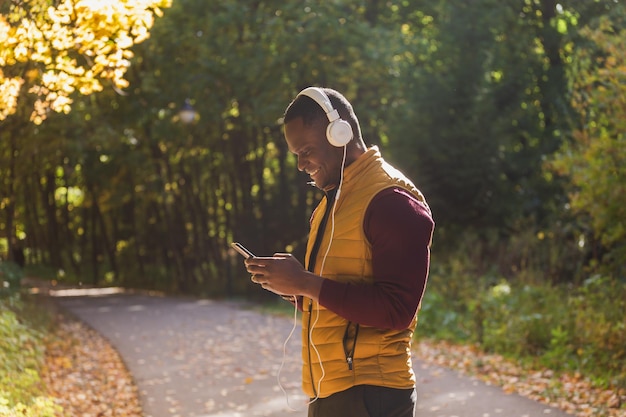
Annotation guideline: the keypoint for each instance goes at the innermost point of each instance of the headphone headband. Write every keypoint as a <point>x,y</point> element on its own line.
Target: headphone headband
<point>320,97</point>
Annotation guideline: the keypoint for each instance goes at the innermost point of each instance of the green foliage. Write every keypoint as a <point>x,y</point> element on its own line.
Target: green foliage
<point>22,392</point>
<point>598,332</point>
<point>518,320</point>
<point>483,110</point>
<point>595,159</point>
<point>437,319</point>
<point>40,407</point>
<point>10,278</point>
<point>564,327</point>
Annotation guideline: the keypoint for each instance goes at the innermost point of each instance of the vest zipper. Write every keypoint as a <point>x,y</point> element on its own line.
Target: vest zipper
<point>349,344</point>
<point>308,337</point>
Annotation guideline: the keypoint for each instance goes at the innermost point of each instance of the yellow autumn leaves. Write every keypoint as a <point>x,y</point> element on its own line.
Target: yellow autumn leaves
<point>50,52</point>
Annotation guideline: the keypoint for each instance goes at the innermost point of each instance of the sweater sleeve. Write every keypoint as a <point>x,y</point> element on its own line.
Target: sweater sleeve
<point>399,228</point>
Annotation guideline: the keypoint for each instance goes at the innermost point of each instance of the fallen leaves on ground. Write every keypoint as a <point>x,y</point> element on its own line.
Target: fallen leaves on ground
<point>86,375</point>
<point>572,393</point>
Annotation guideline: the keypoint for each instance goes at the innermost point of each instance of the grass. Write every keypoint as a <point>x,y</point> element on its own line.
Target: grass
<point>24,325</point>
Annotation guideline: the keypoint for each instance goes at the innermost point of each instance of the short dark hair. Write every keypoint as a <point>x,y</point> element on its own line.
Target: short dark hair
<point>311,112</point>
<point>306,108</point>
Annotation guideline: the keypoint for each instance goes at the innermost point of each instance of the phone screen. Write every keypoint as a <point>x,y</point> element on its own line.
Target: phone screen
<point>242,250</point>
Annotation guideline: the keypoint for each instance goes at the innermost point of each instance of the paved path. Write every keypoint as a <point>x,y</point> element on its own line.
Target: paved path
<point>201,358</point>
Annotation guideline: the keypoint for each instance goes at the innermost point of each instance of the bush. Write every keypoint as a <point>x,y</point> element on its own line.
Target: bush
<point>564,328</point>
<point>22,393</point>
<point>518,320</point>
<point>10,278</point>
<point>598,337</point>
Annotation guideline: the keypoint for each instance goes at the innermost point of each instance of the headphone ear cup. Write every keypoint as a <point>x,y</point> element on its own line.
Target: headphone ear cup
<point>339,133</point>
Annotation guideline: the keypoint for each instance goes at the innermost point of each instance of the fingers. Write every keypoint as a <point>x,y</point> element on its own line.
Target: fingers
<point>255,268</point>
<point>274,273</point>
<point>258,261</point>
<point>263,282</point>
<point>256,265</point>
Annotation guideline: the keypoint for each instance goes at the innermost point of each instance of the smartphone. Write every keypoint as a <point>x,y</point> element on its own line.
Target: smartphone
<point>242,250</point>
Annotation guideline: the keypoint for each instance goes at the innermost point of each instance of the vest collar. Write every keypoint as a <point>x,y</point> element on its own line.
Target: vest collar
<point>362,163</point>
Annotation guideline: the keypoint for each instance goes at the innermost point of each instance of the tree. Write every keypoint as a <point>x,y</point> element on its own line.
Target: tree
<point>595,158</point>
<point>52,48</point>
<point>161,199</point>
<point>483,92</point>
<point>229,175</point>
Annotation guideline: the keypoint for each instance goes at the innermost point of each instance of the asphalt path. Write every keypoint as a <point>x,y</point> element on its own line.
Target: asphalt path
<point>202,358</point>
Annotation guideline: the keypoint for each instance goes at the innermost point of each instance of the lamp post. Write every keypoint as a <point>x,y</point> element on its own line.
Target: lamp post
<point>187,113</point>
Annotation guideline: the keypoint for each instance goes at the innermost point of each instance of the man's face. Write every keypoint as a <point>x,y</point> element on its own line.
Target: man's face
<point>316,156</point>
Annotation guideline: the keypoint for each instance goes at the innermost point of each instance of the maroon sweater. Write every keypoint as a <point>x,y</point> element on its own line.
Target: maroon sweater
<point>399,228</point>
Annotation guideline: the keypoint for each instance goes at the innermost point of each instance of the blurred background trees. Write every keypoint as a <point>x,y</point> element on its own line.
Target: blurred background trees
<point>507,114</point>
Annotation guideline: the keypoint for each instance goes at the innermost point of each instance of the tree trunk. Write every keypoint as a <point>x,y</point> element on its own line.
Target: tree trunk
<point>53,244</point>
<point>94,241</point>
<point>10,206</point>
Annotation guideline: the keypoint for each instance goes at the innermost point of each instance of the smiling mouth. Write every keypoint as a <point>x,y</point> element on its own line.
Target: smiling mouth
<point>313,173</point>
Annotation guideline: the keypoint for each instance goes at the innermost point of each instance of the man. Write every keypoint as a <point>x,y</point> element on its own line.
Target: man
<point>367,263</point>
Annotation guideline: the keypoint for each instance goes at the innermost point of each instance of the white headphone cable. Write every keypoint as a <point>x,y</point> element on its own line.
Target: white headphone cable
<point>295,314</point>
<point>282,363</point>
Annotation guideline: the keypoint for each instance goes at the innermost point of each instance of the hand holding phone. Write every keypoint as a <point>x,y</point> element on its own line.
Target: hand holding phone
<point>242,250</point>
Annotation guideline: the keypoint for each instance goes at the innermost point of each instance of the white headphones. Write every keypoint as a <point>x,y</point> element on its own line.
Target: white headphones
<point>338,132</point>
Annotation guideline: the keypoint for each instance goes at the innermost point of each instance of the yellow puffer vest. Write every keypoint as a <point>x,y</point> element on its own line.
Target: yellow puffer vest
<point>349,354</point>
